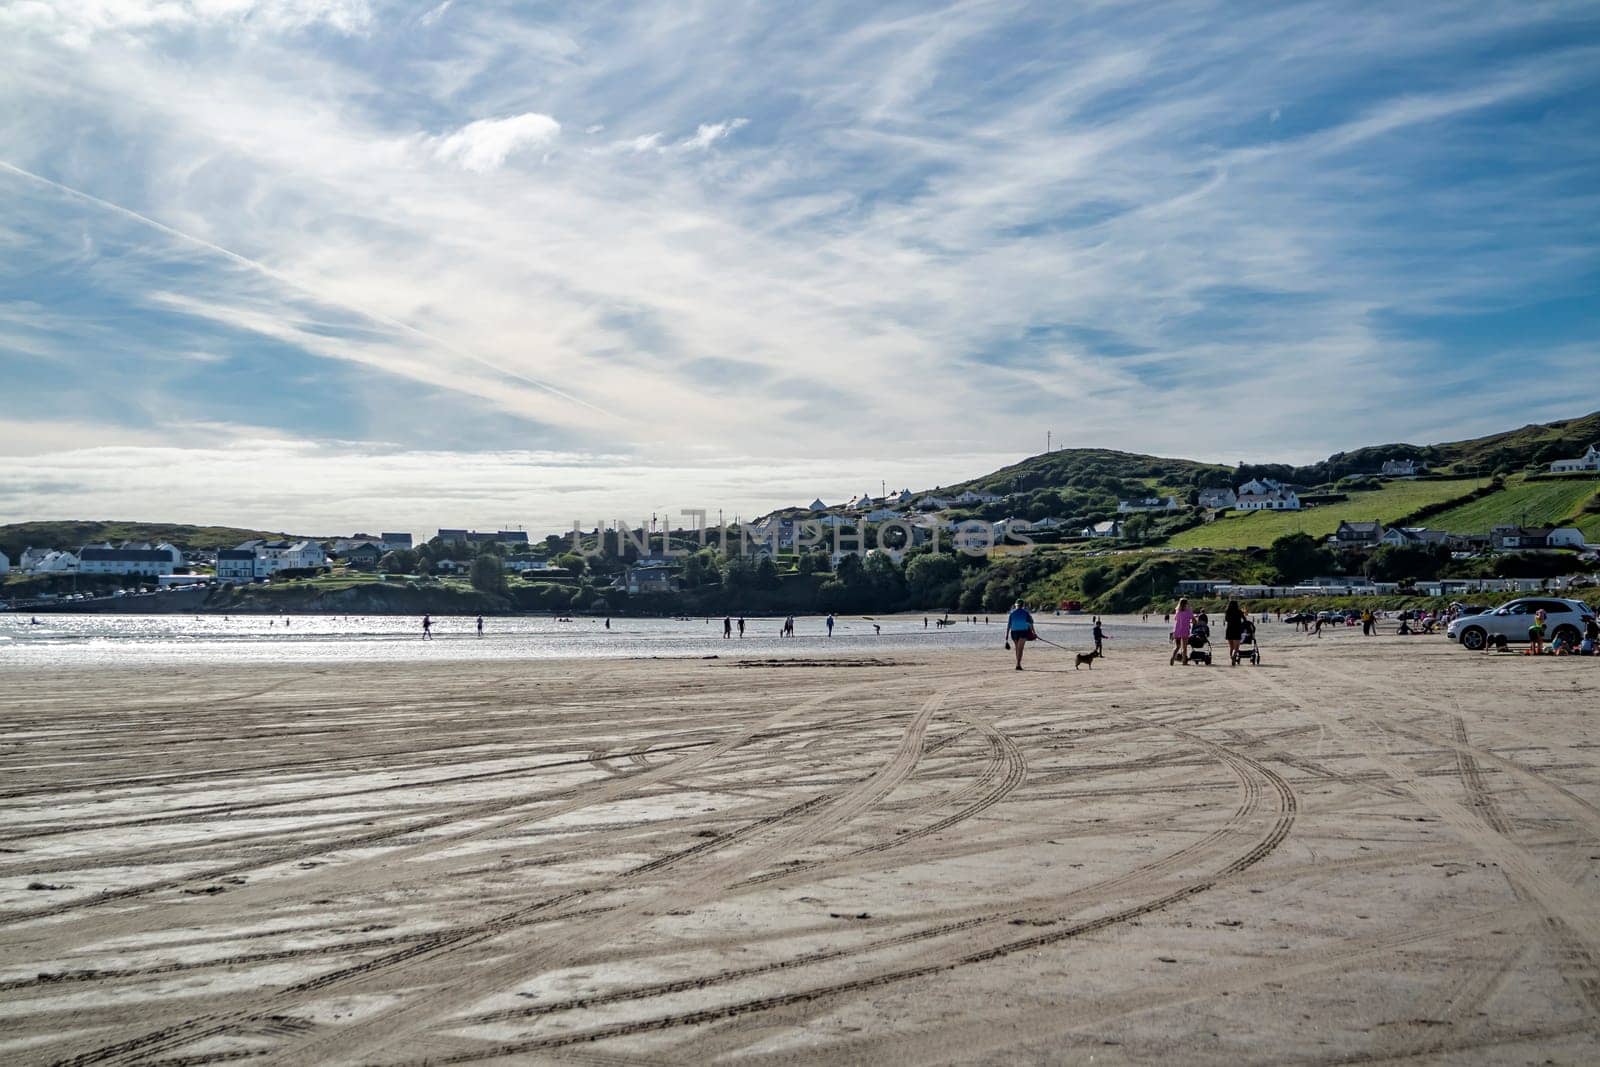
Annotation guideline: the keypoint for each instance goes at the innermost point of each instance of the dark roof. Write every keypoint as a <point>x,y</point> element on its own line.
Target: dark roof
<point>126,555</point>
<point>235,553</point>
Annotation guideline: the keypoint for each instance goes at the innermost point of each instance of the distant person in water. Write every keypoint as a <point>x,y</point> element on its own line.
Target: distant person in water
<point>741,625</point>
<point>727,627</point>
<point>480,625</point>
<point>427,628</point>
<point>608,622</point>
<point>1019,629</point>
<point>877,629</point>
<point>830,624</point>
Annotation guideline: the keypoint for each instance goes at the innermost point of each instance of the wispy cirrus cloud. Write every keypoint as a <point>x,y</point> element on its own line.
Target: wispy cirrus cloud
<point>959,223</point>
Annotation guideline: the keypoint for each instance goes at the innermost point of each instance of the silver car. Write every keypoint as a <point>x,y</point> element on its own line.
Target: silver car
<point>1563,618</point>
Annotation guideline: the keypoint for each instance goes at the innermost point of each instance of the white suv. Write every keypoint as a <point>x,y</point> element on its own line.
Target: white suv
<point>1563,618</point>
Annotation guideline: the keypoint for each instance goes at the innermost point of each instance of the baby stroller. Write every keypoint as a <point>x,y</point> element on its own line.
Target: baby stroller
<point>1199,642</point>
<point>1248,649</point>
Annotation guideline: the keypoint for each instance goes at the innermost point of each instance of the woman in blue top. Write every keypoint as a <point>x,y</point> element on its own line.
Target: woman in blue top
<point>1019,629</point>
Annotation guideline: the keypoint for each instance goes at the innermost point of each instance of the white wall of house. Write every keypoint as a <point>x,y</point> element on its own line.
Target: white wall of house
<point>5,563</point>
<point>1589,461</point>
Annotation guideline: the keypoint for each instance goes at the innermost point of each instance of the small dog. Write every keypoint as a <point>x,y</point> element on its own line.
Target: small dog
<point>1085,657</point>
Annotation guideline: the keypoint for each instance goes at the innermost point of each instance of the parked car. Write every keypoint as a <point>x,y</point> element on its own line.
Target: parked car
<point>1563,618</point>
<point>1299,617</point>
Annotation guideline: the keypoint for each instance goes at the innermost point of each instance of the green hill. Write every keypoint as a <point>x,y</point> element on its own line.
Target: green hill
<point>74,533</point>
<point>1540,502</point>
<point>1092,468</point>
<point>1394,501</point>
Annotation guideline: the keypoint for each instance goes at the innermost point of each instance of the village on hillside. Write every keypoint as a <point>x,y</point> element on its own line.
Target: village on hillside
<point>606,563</point>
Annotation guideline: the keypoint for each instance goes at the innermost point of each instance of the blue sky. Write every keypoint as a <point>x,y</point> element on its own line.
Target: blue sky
<point>325,264</point>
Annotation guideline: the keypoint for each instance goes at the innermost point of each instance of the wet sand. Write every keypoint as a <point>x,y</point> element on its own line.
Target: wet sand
<point>1366,848</point>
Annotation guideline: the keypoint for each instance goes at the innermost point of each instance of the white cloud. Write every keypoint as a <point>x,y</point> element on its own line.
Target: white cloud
<point>435,14</point>
<point>239,475</point>
<point>710,133</point>
<point>79,22</point>
<point>484,145</point>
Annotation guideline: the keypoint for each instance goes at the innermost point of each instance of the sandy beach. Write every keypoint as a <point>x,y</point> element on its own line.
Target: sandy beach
<point>1366,848</point>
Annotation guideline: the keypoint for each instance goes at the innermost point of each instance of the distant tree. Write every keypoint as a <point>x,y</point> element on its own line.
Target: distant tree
<point>399,561</point>
<point>488,574</point>
<point>929,579</point>
<point>1298,556</point>
<point>766,574</point>
<point>737,573</point>
<point>573,562</point>
<point>999,596</point>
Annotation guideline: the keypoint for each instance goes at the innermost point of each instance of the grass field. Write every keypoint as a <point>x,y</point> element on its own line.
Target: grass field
<point>1539,503</point>
<point>1261,528</point>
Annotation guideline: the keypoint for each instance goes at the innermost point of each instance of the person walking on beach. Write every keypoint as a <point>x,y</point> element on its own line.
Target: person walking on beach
<point>427,628</point>
<point>1182,625</point>
<point>727,627</point>
<point>830,624</point>
<point>1019,629</point>
<point>741,626</point>
<point>480,625</point>
<point>608,622</point>
<point>1099,637</point>
<point>1233,619</point>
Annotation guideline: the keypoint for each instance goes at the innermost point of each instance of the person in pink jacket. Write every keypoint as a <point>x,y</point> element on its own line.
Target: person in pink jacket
<point>1182,624</point>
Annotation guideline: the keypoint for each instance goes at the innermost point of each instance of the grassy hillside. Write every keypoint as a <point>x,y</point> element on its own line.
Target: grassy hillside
<point>1089,467</point>
<point>1534,503</point>
<point>1393,501</point>
<point>1536,443</point>
<point>75,533</point>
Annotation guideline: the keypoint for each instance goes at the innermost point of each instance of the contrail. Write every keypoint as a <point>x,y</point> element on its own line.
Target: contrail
<point>283,279</point>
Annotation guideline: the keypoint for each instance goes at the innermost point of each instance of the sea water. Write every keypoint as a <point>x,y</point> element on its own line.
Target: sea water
<point>77,640</point>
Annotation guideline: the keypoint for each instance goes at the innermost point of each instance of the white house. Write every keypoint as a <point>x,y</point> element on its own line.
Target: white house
<point>1589,461</point>
<point>1565,537</point>
<point>883,515</point>
<point>1279,499</point>
<point>48,561</point>
<point>972,496</point>
<point>1149,503</point>
<point>1218,498</point>
<point>103,559</point>
<point>1412,535</point>
<point>1109,528</point>
<point>933,503</point>
<point>236,565</point>
<point>818,505</point>
<point>1399,468</point>
<point>266,558</point>
<point>1259,486</point>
